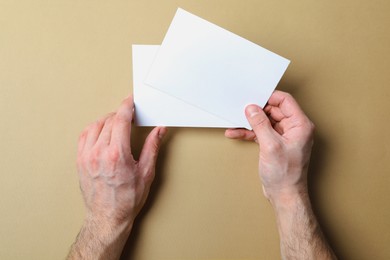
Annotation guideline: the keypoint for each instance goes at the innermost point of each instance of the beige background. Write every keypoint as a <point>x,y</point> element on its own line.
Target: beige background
<point>64,63</point>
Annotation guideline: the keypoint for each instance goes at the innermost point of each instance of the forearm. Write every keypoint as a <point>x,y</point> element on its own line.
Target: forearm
<point>99,241</point>
<point>300,234</point>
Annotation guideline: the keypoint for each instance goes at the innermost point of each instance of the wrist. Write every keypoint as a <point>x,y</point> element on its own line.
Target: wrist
<point>107,230</point>
<point>287,197</point>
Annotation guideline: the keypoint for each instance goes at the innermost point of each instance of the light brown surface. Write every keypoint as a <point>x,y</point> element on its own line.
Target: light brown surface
<point>64,63</point>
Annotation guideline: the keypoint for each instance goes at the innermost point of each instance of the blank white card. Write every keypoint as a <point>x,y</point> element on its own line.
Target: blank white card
<point>213,69</point>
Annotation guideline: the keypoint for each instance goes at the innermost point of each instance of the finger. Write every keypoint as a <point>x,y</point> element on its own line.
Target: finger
<point>105,135</point>
<point>259,122</point>
<point>277,98</point>
<point>149,152</point>
<point>286,103</point>
<point>121,128</point>
<point>241,134</point>
<point>276,117</point>
<point>93,132</point>
<point>274,113</point>
<point>288,106</point>
<point>279,128</point>
<point>273,122</point>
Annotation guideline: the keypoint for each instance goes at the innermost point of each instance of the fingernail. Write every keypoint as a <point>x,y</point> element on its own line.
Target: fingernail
<point>162,132</point>
<point>252,110</point>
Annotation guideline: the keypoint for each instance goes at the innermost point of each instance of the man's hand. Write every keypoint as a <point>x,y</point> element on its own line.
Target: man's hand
<point>114,185</point>
<point>285,137</point>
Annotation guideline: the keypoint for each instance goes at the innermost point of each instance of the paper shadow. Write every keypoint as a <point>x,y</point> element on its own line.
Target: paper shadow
<point>317,164</point>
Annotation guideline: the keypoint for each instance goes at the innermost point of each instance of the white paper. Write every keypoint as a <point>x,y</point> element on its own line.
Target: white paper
<point>155,108</point>
<point>214,69</point>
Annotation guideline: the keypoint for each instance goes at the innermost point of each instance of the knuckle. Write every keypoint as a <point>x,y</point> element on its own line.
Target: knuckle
<point>110,115</point>
<point>309,126</point>
<point>312,127</point>
<point>89,128</point>
<point>97,124</point>
<point>94,161</point>
<point>123,115</point>
<point>83,134</point>
<point>287,95</point>
<point>90,160</point>
<point>307,134</point>
<point>114,155</point>
<point>120,119</point>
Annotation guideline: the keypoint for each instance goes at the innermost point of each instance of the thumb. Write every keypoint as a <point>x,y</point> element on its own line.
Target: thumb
<point>148,157</point>
<point>259,122</point>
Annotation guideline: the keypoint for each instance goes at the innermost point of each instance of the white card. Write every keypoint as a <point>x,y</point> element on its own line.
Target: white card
<point>214,69</point>
<point>155,108</point>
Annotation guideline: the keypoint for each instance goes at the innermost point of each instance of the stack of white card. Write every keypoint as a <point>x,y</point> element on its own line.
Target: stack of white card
<point>201,76</point>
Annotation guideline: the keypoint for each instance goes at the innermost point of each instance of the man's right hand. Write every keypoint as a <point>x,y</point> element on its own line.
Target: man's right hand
<point>285,137</point>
